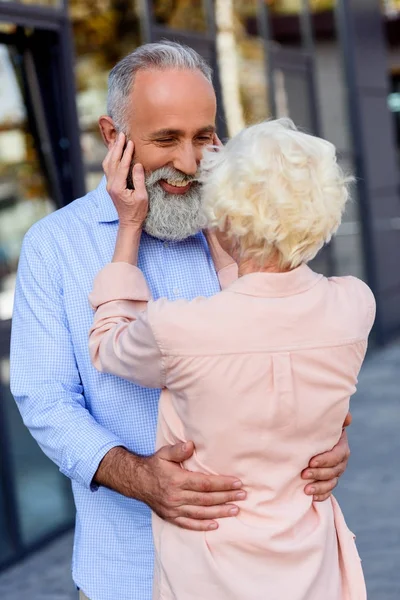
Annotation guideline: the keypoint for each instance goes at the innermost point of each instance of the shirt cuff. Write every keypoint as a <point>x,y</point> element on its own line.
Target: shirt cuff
<point>96,462</point>
<point>119,281</point>
<point>85,470</point>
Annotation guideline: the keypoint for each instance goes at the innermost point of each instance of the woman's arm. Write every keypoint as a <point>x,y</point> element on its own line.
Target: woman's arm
<point>121,340</point>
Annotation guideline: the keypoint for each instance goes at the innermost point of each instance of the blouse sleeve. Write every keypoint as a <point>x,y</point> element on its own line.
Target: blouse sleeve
<point>121,339</point>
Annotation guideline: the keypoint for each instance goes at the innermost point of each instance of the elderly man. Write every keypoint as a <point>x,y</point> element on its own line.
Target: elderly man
<point>100,430</point>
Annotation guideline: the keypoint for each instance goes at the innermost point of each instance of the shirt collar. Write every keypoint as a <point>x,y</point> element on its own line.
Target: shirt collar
<point>276,285</point>
<point>107,213</point>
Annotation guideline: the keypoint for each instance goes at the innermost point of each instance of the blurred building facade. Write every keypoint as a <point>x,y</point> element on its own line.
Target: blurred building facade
<point>333,67</point>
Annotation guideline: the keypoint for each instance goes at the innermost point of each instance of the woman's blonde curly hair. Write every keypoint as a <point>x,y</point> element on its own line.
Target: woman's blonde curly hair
<point>276,190</point>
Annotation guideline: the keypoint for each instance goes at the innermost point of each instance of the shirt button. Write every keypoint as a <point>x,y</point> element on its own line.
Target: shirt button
<point>176,292</point>
<point>165,244</point>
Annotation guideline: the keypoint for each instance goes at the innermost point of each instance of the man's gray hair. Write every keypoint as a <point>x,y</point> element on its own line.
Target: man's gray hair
<point>159,56</point>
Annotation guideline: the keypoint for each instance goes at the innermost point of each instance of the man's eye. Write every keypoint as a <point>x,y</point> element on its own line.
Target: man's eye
<point>205,138</point>
<point>165,141</point>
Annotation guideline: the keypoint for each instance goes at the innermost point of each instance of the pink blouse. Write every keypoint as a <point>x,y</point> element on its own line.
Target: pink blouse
<point>259,377</point>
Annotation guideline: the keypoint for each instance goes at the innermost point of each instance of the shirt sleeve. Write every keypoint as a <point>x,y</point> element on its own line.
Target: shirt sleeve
<point>122,341</point>
<point>45,379</point>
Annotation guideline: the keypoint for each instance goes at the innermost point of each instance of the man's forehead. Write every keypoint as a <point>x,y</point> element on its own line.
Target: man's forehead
<point>171,91</point>
<point>172,100</point>
<point>172,78</point>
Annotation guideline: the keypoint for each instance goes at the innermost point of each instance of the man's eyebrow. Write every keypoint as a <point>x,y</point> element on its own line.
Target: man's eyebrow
<point>164,133</point>
<point>208,129</point>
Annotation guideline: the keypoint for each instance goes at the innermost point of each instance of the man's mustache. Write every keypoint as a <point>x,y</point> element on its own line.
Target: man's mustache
<point>163,173</point>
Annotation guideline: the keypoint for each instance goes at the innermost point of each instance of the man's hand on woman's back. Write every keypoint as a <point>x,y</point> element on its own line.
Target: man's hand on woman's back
<point>187,499</point>
<point>325,469</point>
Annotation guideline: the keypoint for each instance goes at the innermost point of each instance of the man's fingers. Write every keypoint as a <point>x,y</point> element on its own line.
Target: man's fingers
<point>319,488</point>
<point>111,162</point>
<point>122,168</point>
<point>194,525</point>
<point>177,453</point>
<point>201,518</point>
<point>325,473</point>
<point>127,156</point>
<point>198,482</point>
<point>329,473</point>
<point>138,181</point>
<point>348,420</point>
<point>340,453</point>
<point>330,466</point>
<point>106,161</point>
<point>116,153</point>
<point>214,498</point>
<point>329,460</point>
<point>204,513</point>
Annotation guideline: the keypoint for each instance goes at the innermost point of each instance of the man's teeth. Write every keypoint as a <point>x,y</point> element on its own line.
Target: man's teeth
<point>177,183</point>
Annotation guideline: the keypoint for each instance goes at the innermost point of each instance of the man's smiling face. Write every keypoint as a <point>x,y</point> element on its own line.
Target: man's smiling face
<point>172,119</point>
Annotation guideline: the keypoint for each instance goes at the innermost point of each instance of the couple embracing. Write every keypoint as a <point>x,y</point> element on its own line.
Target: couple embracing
<point>208,320</point>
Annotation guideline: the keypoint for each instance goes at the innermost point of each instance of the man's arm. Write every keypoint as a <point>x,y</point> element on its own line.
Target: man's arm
<point>44,377</point>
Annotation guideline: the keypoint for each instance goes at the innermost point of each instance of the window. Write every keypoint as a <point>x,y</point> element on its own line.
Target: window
<point>44,3</point>
<point>242,64</point>
<point>24,195</point>
<point>182,15</point>
<point>104,32</point>
<point>37,140</point>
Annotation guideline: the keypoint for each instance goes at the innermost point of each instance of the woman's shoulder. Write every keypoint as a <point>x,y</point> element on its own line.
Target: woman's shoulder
<point>353,285</point>
<point>358,296</point>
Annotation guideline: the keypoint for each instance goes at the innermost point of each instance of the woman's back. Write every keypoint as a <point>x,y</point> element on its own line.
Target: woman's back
<point>260,377</point>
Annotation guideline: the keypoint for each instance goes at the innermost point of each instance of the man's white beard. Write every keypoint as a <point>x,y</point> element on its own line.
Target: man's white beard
<point>173,217</point>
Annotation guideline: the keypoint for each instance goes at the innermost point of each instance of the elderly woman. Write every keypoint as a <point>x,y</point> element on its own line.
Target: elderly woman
<point>258,376</point>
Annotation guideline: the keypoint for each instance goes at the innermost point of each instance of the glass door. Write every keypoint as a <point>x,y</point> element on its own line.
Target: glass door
<point>24,188</point>
<point>39,152</point>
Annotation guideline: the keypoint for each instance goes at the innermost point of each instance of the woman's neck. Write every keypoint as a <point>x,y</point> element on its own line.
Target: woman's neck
<point>249,265</point>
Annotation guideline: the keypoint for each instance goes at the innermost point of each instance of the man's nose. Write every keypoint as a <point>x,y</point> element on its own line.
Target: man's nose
<point>187,159</point>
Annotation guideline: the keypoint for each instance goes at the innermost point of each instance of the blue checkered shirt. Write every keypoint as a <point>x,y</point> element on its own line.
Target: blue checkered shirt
<point>75,413</point>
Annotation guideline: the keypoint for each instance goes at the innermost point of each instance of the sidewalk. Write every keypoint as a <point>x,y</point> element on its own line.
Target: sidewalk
<point>369,494</point>
<point>44,576</point>
<point>370,490</point>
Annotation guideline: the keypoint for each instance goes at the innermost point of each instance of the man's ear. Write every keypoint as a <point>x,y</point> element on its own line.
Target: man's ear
<point>108,130</point>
